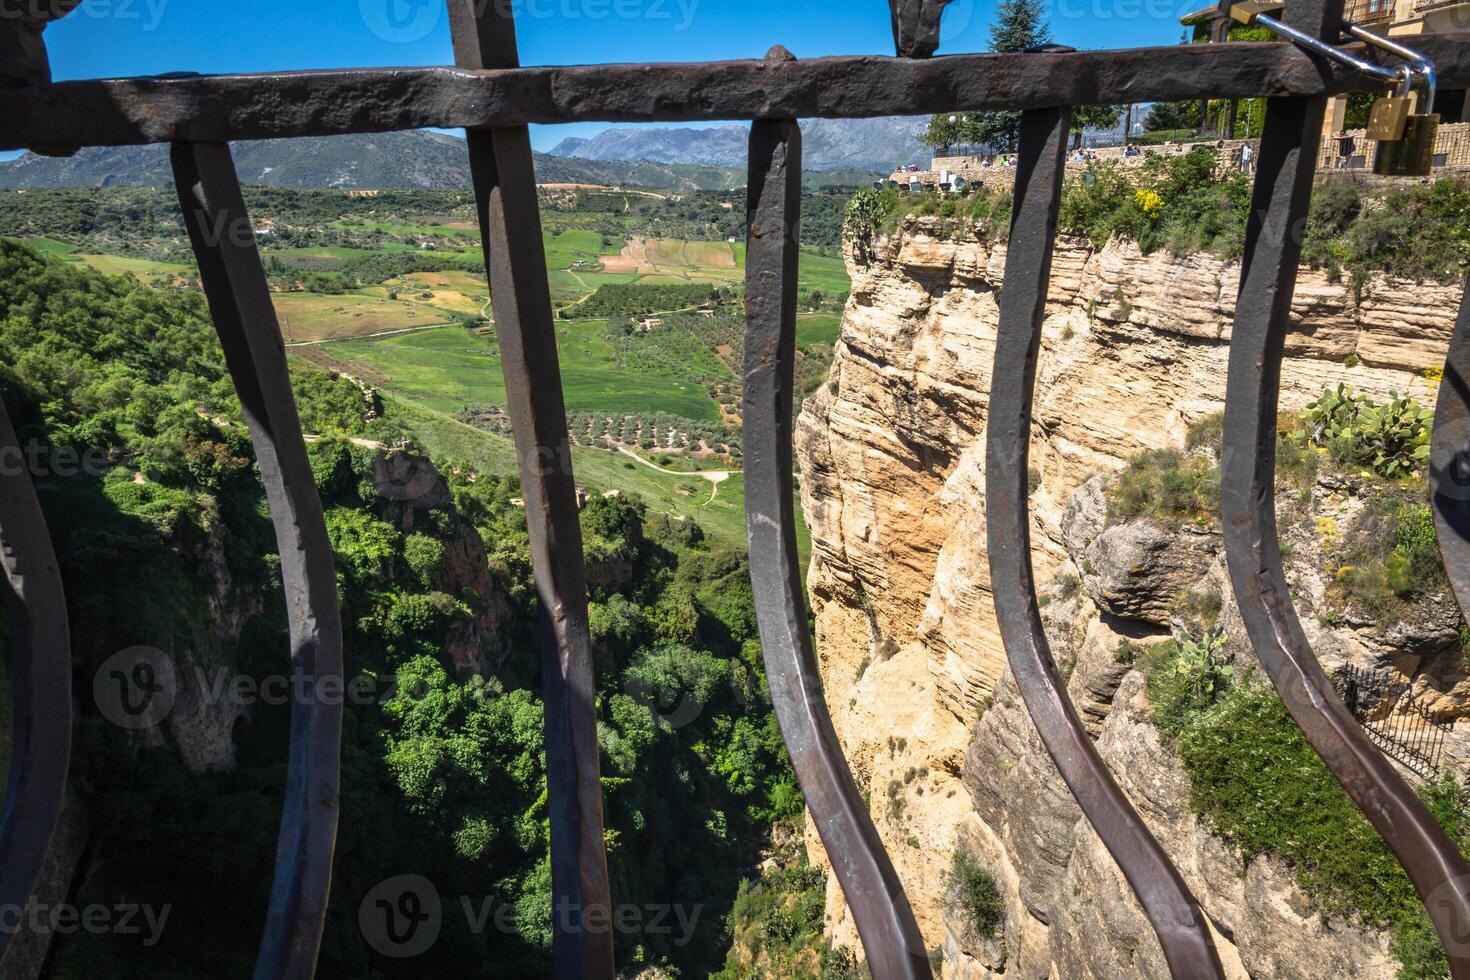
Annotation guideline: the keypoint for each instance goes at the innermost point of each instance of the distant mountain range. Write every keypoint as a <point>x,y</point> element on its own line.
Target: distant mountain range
<point>877,145</point>
<point>385,161</point>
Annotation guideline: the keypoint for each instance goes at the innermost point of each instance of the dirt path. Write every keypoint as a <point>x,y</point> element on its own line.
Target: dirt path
<point>715,477</point>
<point>373,336</point>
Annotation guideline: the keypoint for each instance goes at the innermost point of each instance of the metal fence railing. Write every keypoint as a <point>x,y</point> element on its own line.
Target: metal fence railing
<point>1396,721</point>
<point>487,93</point>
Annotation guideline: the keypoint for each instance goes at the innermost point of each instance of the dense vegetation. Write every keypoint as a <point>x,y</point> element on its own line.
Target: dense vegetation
<point>699,216</point>
<point>145,222</point>
<point>1252,773</point>
<point>443,769</point>
<point>642,299</point>
<point>1253,776</point>
<point>1182,202</point>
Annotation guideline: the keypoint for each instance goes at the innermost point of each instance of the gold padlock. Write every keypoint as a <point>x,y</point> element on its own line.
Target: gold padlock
<point>1412,155</point>
<point>1405,139</point>
<point>1388,117</point>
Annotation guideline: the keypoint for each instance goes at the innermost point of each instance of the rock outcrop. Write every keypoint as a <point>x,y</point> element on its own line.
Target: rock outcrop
<point>892,478</point>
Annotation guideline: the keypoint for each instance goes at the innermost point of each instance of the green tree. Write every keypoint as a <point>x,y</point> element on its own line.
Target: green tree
<point>1172,115</point>
<point>1094,117</point>
<point>1019,24</point>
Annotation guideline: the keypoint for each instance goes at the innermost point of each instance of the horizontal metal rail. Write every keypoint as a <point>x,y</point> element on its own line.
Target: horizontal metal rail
<point>323,103</point>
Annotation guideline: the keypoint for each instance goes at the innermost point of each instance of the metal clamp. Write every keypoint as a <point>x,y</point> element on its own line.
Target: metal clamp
<point>1252,12</point>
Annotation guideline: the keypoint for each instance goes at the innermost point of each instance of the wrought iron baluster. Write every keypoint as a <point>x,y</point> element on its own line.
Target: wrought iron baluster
<point>40,685</point>
<point>916,26</point>
<point>39,640</point>
<point>1449,459</point>
<point>510,227</point>
<point>890,935</point>
<point>1279,203</point>
<point>240,304</point>
<point>886,924</point>
<point>1171,909</point>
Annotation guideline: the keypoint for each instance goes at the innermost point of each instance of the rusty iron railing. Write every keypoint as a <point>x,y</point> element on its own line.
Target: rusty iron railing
<point>494,99</point>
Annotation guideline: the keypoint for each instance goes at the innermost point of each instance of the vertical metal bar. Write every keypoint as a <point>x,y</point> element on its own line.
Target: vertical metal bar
<point>23,58</point>
<point>891,937</point>
<point>916,26</point>
<point>39,641</point>
<point>510,225</point>
<point>1171,909</point>
<point>239,302</point>
<point>40,685</point>
<point>1449,460</point>
<point>1289,145</point>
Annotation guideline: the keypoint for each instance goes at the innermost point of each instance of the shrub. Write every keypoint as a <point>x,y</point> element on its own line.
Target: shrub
<point>970,890</point>
<point>1165,485</point>
<point>1392,559</point>
<point>1259,784</point>
<point>1391,439</point>
<point>864,217</point>
<point>1185,679</point>
<point>1207,433</point>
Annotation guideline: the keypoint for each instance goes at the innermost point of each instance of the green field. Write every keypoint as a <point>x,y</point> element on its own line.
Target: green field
<point>431,364</point>
<point>314,316</point>
<point>817,328</point>
<point>112,265</point>
<point>444,437</point>
<point>450,367</point>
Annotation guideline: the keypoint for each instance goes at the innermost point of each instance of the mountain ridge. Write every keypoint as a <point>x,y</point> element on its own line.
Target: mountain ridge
<point>878,145</point>
<point>384,161</point>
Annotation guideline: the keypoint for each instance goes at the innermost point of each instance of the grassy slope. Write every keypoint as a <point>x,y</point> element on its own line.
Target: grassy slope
<point>445,437</point>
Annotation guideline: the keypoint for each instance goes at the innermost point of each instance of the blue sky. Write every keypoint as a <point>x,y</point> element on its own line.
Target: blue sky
<point>142,37</point>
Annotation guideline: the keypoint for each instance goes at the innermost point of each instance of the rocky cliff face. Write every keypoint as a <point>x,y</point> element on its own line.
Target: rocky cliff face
<point>891,451</point>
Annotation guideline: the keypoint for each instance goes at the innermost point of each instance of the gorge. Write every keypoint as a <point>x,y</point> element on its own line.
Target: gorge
<point>892,477</point>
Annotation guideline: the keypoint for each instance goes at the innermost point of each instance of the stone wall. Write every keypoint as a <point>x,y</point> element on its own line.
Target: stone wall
<point>1451,147</point>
